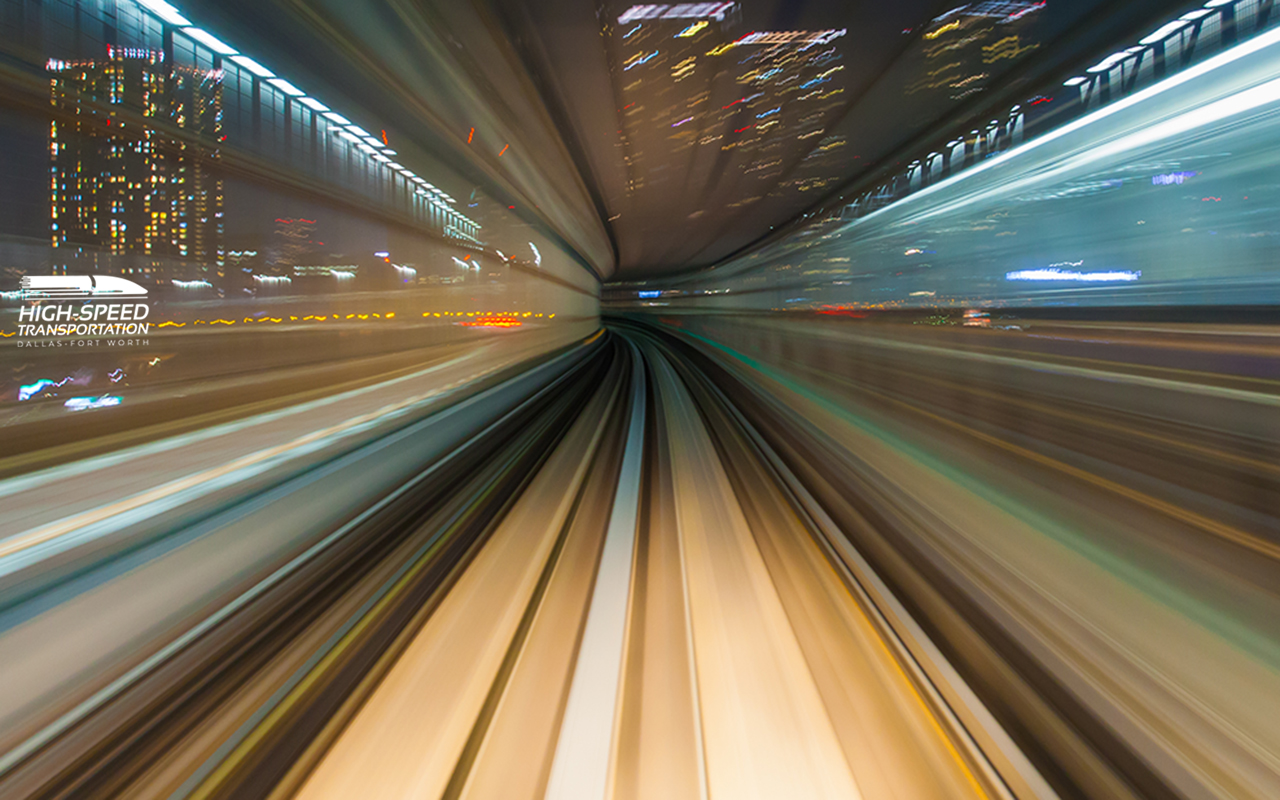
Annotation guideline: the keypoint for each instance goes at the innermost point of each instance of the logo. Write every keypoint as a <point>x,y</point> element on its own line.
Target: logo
<point>67,308</point>
<point>79,287</point>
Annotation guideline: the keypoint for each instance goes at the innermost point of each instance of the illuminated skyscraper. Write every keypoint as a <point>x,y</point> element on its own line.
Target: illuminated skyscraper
<point>791,90</point>
<point>293,244</point>
<point>133,143</point>
<point>667,70</point>
<point>755,104</point>
<point>964,46</point>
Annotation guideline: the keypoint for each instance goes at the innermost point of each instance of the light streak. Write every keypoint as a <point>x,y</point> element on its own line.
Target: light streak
<point>31,390</point>
<point>83,403</point>
<point>503,321</point>
<point>714,11</point>
<point>1072,275</point>
<point>637,60</point>
<point>1242,101</point>
<point>1172,178</point>
<point>950,26</point>
<point>692,29</point>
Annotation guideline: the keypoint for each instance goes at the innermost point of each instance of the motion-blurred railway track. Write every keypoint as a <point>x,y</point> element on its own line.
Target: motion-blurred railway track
<point>625,572</point>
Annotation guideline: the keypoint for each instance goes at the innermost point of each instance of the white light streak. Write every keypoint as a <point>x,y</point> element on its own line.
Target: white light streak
<point>1072,275</point>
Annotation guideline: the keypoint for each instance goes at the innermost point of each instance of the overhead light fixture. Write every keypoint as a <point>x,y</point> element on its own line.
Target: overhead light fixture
<point>1164,32</point>
<point>210,41</point>
<point>334,116</point>
<point>253,66</point>
<point>164,11</point>
<point>286,87</point>
<point>1109,62</point>
<point>313,104</point>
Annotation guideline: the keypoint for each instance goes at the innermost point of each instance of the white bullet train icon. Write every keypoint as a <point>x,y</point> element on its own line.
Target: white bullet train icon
<point>70,287</point>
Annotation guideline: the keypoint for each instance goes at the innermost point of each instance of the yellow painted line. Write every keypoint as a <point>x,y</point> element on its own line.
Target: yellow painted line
<point>893,659</point>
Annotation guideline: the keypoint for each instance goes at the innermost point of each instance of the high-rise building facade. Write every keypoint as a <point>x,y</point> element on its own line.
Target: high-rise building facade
<point>668,68</point>
<point>133,147</point>
<point>791,90</point>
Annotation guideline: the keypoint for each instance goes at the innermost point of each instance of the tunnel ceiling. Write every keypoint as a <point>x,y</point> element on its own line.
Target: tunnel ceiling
<point>700,128</point>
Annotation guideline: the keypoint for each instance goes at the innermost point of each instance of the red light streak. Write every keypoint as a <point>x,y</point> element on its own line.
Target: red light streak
<point>503,150</point>
<point>470,135</point>
<point>492,322</point>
